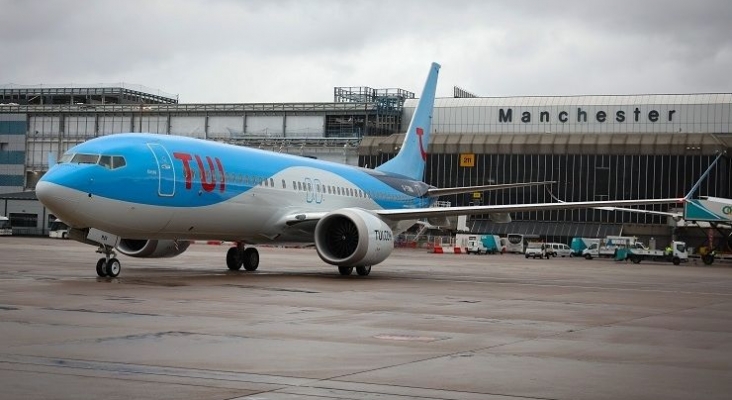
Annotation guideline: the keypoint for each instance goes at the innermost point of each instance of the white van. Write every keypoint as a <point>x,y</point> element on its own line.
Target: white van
<point>558,249</point>
<point>5,228</point>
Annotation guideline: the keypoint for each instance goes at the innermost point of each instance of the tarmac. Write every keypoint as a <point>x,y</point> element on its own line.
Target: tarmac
<point>421,326</point>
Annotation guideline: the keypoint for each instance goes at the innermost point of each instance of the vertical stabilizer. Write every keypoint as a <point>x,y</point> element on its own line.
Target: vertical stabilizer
<point>412,156</point>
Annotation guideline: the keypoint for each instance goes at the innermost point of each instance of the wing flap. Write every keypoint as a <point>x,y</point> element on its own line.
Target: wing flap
<point>416,213</point>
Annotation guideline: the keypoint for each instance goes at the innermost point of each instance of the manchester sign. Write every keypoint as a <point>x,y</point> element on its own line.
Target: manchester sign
<point>579,115</point>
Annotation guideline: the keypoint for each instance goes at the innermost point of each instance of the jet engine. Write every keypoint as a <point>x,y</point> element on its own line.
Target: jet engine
<point>151,248</point>
<point>353,237</point>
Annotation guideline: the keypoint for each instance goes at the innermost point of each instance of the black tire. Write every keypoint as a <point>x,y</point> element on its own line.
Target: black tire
<point>345,270</point>
<point>708,259</point>
<point>635,259</point>
<point>588,256</point>
<point>363,271</point>
<point>527,256</point>
<point>676,261</point>
<point>233,259</point>
<point>113,268</point>
<point>101,268</point>
<point>251,259</point>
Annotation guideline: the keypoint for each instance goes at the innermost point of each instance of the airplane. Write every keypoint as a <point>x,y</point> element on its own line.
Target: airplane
<point>148,195</point>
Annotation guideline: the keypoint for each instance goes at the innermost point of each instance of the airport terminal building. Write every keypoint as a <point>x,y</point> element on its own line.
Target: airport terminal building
<point>594,147</point>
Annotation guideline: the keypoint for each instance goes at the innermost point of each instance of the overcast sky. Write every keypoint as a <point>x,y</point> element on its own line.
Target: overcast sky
<point>236,51</point>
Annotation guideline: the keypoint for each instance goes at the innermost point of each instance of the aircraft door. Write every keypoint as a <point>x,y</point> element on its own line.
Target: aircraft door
<point>166,171</point>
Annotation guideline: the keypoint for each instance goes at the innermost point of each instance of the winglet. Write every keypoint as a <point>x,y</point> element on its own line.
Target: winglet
<point>410,160</point>
<point>704,176</point>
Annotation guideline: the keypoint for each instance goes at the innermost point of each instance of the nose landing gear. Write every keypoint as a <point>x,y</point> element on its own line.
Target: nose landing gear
<point>109,265</point>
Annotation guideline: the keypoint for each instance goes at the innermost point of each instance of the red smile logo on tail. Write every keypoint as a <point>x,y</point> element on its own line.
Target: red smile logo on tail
<point>420,133</point>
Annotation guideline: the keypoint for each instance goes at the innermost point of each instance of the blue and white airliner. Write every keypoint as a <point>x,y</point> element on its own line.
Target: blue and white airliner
<point>149,195</point>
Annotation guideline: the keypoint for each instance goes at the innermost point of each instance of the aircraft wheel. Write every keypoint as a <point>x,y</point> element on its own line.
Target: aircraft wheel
<point>363,271</point>
<point>101,268</point>
<point>345,270</point>
<point>233,260</point>
<point>113,268</point>
<point>251,259</point>
<point>708,259</point>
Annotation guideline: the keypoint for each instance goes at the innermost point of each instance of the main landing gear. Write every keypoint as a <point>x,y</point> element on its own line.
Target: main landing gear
<point>109,265</point>
<point>362,271</point>
<point>240,256</point>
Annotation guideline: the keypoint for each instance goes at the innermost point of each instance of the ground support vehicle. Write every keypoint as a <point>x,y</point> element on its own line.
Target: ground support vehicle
<point>536,250</point>
<point>676,254</point>
<point>558,250</point>
<point>609,246</point>
<point>579,244</point>
<point>5,228</point>
<point>479,244</point>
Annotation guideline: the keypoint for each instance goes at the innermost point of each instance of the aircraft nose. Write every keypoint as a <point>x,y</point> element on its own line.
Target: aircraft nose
<point>53,196</point>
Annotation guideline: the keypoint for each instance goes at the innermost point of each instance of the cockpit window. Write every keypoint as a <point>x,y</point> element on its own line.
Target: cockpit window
<point>118,162</point>
<point>112,162</point>
<point>85,158</point>
<point>105,161</point>
<point>109,162</point>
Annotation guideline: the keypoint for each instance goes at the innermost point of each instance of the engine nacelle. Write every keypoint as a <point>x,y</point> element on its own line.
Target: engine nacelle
<point>151,248</point>
<point>353,237</point>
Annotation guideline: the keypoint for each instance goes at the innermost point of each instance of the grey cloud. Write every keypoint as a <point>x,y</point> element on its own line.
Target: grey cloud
<point>286,50</point>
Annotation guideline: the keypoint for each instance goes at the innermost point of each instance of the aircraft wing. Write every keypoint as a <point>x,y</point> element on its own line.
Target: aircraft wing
<point>305,218</point>
<point>435,192</point>
<point>431,212</point>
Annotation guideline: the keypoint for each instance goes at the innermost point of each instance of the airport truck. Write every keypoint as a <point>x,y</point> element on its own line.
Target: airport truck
<point>579,244</point>
<point>676,253</point>
<point>609,246</point>
<point>479,244</point>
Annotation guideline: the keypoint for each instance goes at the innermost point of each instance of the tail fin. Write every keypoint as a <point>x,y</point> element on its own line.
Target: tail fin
<point>410,160</point>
